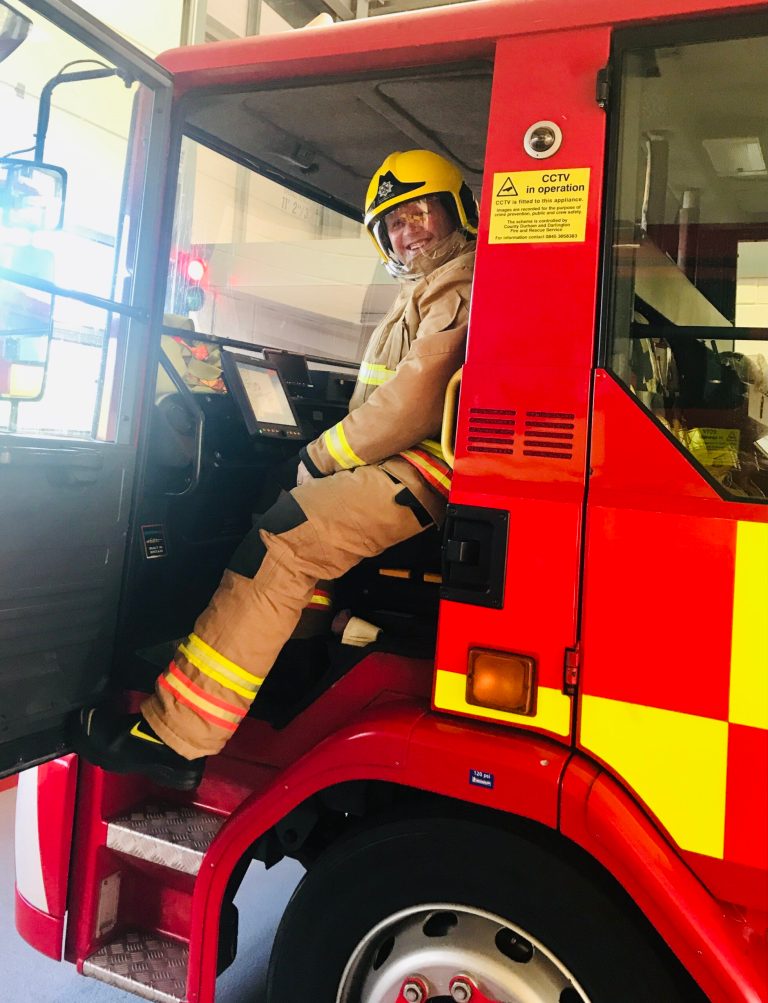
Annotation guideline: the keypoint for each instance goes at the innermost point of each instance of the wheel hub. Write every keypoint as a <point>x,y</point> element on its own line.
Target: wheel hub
<point>462,989</point>
<point>445,951</point>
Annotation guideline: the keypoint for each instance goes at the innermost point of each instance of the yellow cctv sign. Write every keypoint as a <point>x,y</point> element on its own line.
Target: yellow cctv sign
<point>540,207</point>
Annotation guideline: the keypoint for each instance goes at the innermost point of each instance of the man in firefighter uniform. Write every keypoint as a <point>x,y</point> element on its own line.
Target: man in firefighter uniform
<point>374,479</point>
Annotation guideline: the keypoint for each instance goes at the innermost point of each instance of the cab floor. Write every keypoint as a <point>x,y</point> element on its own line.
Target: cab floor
<point>261,900</point>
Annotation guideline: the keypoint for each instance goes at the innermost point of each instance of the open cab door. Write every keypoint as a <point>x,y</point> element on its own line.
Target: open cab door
<point>511,565</point>
<point>84,119</point>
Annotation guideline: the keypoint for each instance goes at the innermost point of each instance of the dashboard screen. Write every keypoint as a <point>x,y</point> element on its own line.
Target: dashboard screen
<point>264,390</point>
<point>261,393</point>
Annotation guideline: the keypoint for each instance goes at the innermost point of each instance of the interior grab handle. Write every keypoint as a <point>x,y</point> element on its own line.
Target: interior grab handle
<point>199,419</point>
<point>450,418</point>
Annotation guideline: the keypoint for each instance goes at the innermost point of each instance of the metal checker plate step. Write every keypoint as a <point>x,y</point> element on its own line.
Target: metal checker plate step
<point>144,964</point>
<point>175,836</point>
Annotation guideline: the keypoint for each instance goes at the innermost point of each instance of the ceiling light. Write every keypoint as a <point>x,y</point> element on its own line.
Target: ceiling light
<point>736,157</point>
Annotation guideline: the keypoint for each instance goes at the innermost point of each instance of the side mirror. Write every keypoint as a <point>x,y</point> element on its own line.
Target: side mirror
<point>26,326</point>
<point>14,28</point>
<point>31,195</point>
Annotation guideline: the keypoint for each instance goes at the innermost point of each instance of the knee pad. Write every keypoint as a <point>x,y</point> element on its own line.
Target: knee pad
<point>284,515</point>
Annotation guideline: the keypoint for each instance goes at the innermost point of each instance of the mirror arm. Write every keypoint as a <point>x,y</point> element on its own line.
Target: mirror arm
<point>44,109</point>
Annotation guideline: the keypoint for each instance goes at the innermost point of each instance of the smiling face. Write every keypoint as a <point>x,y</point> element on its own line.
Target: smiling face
<point>414,227</point>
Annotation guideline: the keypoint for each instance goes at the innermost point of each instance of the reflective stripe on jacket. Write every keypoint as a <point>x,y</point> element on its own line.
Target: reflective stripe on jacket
<point>397,407</point>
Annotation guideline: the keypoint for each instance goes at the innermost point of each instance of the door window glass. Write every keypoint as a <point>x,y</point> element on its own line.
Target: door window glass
<point>64,105</point>
<point>69,397</point>
<point>87,135</point>
<point>689,296</point>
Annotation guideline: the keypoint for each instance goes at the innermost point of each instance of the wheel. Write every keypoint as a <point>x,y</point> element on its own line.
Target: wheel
<point>450,909</point>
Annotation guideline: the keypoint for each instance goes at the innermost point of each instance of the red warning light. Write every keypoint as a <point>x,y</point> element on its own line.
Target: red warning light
<point>195,269</point>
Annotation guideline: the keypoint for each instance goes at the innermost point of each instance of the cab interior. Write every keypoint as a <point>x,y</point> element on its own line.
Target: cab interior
<point>287,169</point>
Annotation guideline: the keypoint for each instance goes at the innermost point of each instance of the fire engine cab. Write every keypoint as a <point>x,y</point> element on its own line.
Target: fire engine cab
<point>544,778</point>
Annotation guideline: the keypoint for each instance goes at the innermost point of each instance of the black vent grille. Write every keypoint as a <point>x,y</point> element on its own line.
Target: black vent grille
<point>548,434</point>
<point>491,431</point>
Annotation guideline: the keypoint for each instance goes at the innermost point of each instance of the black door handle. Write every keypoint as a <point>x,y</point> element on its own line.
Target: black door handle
<point>475,555</point>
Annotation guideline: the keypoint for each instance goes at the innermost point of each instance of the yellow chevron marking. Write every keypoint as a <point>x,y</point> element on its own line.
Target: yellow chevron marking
<point>748,703</point>
<point>677,763</point>
<point>553,708</point>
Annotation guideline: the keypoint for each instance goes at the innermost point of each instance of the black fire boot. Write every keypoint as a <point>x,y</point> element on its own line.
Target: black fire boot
<point>125,743</point>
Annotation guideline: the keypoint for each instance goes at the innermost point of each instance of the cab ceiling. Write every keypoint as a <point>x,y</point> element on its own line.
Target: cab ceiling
<point>329,138</point>
<point>709,91</point>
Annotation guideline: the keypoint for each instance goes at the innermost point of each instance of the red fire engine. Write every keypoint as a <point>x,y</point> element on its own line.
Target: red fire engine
<point>546,779</point>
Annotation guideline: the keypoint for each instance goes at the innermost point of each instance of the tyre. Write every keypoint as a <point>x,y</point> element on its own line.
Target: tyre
<point>440,899</point>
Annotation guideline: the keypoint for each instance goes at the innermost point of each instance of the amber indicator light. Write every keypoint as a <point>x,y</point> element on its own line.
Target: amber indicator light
<point>501,680</point>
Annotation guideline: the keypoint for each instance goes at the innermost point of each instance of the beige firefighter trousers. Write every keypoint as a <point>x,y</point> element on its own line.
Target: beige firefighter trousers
<point>318,531</point>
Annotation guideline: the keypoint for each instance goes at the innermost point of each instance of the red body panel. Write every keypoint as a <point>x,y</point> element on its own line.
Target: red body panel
<point>45,854</point>
<point>400,743</point>
<point>658,613</point>
<point>396,743</point>
<point>709,940</point>
<point>40,930</point>
<point>57,792</point>
<point>746,825</point>
<point>458,33</point>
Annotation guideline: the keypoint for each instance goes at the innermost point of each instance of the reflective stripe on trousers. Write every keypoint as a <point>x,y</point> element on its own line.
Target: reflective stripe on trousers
<point>332,524</point>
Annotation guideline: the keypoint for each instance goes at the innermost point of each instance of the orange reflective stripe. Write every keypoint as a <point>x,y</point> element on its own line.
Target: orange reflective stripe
<point>178,695</point>
<point>229,710</point>
<point>319,599</point>
<point>430,468</point>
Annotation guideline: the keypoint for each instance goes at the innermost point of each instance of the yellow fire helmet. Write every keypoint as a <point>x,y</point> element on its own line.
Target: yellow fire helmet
<point>411,175</point>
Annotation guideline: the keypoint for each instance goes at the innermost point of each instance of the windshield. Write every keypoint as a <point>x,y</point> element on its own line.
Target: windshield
<point>252,261</point>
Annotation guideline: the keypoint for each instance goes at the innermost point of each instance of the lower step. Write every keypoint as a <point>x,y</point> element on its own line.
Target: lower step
<point>144,964</point>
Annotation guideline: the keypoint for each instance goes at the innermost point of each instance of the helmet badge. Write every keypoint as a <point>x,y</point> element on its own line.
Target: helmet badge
<point>385,189</point>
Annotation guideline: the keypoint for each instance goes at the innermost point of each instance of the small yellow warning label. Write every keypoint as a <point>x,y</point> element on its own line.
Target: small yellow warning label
<point>540,207</point>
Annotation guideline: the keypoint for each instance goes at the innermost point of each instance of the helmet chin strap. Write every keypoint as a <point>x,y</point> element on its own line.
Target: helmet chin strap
<point>425,262</point>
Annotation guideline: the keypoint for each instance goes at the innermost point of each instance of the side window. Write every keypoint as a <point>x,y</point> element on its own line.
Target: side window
<point>689,295</point>
<point>254,262</point>
<point>66,280</point>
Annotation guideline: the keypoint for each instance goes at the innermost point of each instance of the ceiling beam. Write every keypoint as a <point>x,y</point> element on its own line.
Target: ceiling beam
<point>402,6</point>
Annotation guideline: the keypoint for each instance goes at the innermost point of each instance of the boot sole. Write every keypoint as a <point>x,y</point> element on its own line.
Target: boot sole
<point>164,776</point>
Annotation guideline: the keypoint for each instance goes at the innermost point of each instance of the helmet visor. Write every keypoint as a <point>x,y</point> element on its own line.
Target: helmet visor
<point>415,213</point>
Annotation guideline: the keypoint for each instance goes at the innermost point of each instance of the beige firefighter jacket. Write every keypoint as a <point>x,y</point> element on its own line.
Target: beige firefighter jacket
<point>396,410</point>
